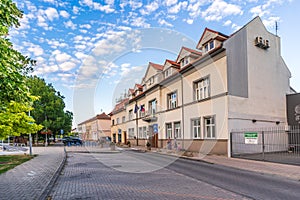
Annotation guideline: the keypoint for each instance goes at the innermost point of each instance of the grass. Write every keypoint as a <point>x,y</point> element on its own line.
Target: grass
<point>8,162</point>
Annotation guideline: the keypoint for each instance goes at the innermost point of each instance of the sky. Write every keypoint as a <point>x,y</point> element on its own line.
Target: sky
<point>94,51</point>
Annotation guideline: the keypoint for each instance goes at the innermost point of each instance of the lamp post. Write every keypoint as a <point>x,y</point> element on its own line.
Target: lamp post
<point>46,141</point>
<point>30,140</point>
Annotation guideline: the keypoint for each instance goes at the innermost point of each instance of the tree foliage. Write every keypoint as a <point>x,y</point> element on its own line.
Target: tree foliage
<point>15,99</point>
<point>49,108</point>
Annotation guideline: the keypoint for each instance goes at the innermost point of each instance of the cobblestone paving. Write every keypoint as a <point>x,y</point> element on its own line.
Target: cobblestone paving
<point>86,177</point>
<point>28,181</point>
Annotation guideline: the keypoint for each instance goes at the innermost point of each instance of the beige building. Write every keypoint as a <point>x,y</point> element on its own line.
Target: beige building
<point>226,83</point>
<point>95,128</point>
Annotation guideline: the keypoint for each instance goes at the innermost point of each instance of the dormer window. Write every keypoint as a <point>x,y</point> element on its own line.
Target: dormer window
<point>184,61</point>
<point>168,73</point>
<point>209,46</point>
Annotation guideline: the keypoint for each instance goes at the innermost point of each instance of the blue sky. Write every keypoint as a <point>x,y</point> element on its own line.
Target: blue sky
<point>92,51</point>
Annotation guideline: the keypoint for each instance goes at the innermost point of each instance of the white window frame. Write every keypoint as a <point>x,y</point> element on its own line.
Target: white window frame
<point>169,130</point>
<point>130,114</point>
<point>131,133</point>
<point>202,88</point>
<point>123,119</point>
<point>172,100</point>
<point>152,109</point>
<point>197,126</point>
<point>209,128</point>
<point>177,130</point>
<point>144,132</point>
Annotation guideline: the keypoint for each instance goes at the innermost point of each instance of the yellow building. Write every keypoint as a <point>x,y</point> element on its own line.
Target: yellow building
<point>226,83</point>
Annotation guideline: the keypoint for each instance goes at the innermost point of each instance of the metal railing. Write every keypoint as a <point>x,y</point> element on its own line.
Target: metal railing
<point>275,144</point>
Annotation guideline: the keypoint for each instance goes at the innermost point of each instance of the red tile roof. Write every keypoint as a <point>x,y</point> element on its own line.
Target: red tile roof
<point>156,66</point>
<point>120,106</point>
<point>192,51</point>
<point>173,62</point>
<point>101,116</point>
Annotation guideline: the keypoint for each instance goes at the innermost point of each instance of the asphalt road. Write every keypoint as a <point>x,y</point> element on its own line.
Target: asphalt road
<point>136,175</point>
<point>248,184</point>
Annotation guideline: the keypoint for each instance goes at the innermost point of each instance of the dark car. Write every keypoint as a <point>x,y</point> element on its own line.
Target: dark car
<point>69,140</point>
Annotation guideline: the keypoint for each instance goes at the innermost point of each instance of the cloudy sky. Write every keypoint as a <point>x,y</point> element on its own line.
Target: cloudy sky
<point>92,51</point>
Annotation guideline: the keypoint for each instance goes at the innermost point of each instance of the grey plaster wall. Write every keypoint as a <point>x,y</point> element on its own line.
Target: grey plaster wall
<point>237,76</point>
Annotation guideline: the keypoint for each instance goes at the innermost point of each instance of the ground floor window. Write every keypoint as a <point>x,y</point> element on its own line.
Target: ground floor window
<point>209,127</point>
<point>168,130</point>
<point>131,133</point>
<point>177,130</point>
<point>196,128</point>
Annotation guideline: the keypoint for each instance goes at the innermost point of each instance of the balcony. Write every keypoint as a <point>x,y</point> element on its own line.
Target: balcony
<point>150,117</point>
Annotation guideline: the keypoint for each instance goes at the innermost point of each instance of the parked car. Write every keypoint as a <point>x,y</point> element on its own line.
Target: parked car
<point>70,140</point>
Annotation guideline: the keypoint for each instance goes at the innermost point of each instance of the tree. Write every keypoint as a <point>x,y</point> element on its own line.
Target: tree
<point>49,108</point>
<point>15,99</point>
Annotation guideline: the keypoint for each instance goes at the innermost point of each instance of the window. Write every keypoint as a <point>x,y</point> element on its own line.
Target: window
<point>151,80</point>
<point>130,115</point>
<point>196,130</point>
<point>168,73</point>
<point>113,122</point>
<point>168,130</point>
<point>140,132</point>
<point>201,89</point>
<point>131,133</point>
<point>211,45</point>
<point>123,119</point>
<point>144,132</point>
<point>152,107</point>
<point>172,100</point>
<point>142,110</point>
<point>209,127</point>
<point>118,121</point>
<point>177,131</point>
<point>184,61</point>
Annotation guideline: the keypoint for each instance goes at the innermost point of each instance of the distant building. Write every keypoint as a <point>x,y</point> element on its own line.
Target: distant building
<point>95,128</point>
<point>227,82</point>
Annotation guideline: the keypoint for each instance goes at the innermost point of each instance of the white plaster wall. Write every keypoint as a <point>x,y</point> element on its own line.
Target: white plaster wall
<point>268,82</point>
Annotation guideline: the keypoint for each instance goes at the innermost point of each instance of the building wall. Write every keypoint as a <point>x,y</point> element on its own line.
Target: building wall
<point>267,76</point>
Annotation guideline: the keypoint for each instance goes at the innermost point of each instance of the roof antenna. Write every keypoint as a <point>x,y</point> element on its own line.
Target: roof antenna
<point>276,27</point>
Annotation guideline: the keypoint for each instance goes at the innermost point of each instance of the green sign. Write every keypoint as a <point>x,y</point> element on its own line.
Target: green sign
<point>251,137</point>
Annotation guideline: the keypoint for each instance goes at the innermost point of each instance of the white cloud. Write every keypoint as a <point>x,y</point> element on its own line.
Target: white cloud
<point>80,55</point>
<point>62,57</point>
<point>190,21</point>
<point>140,22</point>
<point>194,9</point>
<point>164,22</point>
<point>67,66</point>
<point>64,14</point>
<point>75,9</point>
<point>148,9</point>
<point>51,13</point>
<point>220,9</point>
<point>176,8</point>
<point>49,1</point>
<point>227,23</point>
<point>87,26</point>
<point>271,21</point>
<point>36,50</point>
<point>70,24</point>
<point>83,30</point>
<point>170,2</point>
<point>97,6</point>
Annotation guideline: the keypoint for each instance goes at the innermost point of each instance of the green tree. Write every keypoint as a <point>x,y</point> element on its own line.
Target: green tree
<point>49,108</point>
<point>15,99</point>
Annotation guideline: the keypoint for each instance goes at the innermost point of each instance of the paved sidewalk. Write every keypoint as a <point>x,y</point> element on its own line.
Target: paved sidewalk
<point>32,179</point>
<point>275,169</point>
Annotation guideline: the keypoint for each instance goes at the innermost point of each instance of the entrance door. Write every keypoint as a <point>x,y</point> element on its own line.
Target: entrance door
<point>125,137</point>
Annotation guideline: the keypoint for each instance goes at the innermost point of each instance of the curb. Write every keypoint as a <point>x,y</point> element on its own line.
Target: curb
<point>47,190</point>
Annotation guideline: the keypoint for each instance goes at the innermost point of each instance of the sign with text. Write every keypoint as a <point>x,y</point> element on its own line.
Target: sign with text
<point>251,138</point>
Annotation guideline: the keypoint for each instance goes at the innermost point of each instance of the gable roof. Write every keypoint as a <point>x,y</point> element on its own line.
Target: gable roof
<point>220,36</point>
<point>156,66</point>
<point>192,51</point>
<point>120,106</point>
<point>101,116</point>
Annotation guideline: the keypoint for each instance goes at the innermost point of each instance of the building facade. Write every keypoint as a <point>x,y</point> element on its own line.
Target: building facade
<point>227,82</point>
<point>95,128</point>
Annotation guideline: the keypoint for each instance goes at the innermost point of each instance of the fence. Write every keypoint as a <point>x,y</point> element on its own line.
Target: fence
<point>276,144</point>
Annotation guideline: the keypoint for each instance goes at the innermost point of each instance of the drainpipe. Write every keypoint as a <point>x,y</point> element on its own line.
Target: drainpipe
<point>182,111</point>
<point>137,125</point>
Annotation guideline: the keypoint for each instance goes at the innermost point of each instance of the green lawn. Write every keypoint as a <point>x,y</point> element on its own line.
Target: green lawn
<point>8,162</point>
